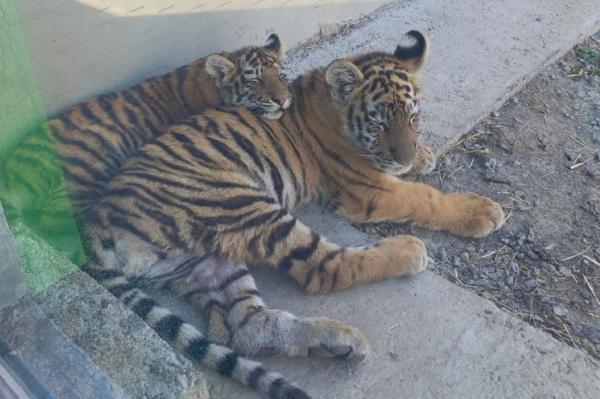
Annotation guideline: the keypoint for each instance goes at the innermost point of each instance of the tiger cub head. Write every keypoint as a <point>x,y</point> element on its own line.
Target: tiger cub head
<point>251,78</point>
<point>377,97</point>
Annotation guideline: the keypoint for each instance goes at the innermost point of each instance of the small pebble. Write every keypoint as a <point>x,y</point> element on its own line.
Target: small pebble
<point>470,248</point>
<point>456,261</point>
<point>493,276</point>
<point>510,280</point>
<point>514,266</point>
<point>490,163</point>
<point>505,240</point>
<point>565,271</point>
<point>560,311</point>
<point>531,284</point>
<point>495,114</point>
<point>531,254</point>
<point>514,100</point>
<point>464,256</point>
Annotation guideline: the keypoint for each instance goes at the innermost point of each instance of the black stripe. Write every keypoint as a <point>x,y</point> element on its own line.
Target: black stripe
<point>227,152</point>
<point>101,274</point>
<point>228,203</point>
<point>94,173</point>
<point>168,327</point>
<point>143,307</point>
<point>278,234</point>
<point>247,146</point>
<point>240,299</point>
<point>232,279</point>
<point>255,376</point>
<point>277,181</point>
<point>182,74</point>
<point>227,364</point>
<point>322,265</point>
<point>276,388</point>
<point>149,102</point>
<point>248,316</point>
<point>197,348</point>
<point>169,151</point>
<point>258,220</point>
<point>120,289</point>
<point>125,225</point>
<point>300,253</point>
<point>190,147</point>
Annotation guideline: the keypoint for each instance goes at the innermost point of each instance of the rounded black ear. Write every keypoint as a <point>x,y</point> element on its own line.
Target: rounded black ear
<point>273,43</point>
<point>413,50</point>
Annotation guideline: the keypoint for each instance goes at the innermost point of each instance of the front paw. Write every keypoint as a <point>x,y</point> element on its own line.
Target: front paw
<point>403,255</point>
<point>424,162</point>
<point>477,216</point>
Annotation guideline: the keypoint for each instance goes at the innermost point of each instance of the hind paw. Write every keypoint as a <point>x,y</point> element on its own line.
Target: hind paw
<point>334,339</point>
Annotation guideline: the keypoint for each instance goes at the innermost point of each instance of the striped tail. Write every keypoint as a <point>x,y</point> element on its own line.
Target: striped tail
<point>187,339</point>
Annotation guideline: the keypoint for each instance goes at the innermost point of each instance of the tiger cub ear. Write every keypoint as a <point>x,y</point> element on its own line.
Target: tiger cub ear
<point>343,77</point>
<point>273,44</point>
<point>412,51</point>
<point>220,68</point>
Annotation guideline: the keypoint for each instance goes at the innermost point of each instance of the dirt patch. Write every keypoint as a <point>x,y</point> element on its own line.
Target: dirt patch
<point>539,156</point>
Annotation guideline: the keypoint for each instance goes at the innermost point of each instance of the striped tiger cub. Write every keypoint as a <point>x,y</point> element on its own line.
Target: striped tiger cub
<point>88,143</point>
<point>213,194</point>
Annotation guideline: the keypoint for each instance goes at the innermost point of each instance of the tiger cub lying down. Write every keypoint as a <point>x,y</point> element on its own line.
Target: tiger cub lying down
<point>213,194</point>
<point>94,139</point>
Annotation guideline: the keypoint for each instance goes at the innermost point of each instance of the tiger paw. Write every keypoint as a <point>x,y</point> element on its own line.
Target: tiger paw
<point>477,216</point>
<point>403,254</point>
<point>424,162</point>
<point>334,339</point>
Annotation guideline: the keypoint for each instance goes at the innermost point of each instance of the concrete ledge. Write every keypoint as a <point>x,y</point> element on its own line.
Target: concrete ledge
<point>68,372</point>
<point>12,283</point>
<point>125,349</point>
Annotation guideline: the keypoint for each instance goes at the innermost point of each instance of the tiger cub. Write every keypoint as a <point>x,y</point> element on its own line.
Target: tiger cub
<point>89,142</point>
<point>214,193</point>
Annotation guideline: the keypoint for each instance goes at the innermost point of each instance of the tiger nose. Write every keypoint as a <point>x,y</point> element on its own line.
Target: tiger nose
<point>283,101</point>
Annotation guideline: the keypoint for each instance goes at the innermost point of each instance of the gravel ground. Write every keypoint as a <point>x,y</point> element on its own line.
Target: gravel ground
<point>539,156</point>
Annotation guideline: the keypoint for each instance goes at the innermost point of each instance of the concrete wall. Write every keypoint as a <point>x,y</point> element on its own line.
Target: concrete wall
<point>12,282</point>
<point>81,48</point>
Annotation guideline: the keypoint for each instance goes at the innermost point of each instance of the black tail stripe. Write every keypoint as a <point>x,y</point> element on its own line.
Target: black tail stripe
<point>143,307</point>
<point>197,349</point>
<point>168,327</point>
<point>121,289</point>
<point>227,364</point>
<point>275,388</point>
<point>255,376</point>
<point>102,274</point>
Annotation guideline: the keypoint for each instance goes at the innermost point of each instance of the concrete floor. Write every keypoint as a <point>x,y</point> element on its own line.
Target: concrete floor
<point>429,339</point>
